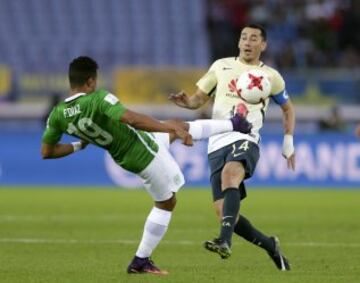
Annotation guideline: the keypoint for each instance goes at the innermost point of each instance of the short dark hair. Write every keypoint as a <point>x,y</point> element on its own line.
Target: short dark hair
<point>259,27</point>
<point>81,69</point>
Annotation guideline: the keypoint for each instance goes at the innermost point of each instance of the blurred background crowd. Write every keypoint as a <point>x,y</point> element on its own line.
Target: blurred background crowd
<point>40,35</point>
<point>302,33</point>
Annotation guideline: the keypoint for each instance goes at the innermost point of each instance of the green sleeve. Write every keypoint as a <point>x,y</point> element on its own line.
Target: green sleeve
<point>52,133</point>
<point>111,106</point>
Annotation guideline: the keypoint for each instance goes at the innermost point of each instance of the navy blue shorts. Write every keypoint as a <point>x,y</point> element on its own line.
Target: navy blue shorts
<point>243,151</point>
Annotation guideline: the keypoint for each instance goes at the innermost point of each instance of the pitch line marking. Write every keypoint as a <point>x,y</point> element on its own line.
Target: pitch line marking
<point>131,242</point>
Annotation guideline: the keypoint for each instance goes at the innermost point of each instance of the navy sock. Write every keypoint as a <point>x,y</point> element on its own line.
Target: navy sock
<point>244,229</point>
<point>230,211</point>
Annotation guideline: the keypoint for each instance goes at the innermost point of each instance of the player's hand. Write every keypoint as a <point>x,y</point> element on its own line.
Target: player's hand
<point>288,151</point>
<point>291,162</point>
<point>180,99</point>
<point>184,136</point>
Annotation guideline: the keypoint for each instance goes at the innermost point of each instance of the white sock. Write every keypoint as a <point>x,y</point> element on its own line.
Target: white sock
<point>203,129</point>
<point>155,228</point>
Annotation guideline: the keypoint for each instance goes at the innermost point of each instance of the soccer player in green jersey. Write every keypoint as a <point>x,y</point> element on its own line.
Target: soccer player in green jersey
<point>97,117</point>
<point>233,156</point>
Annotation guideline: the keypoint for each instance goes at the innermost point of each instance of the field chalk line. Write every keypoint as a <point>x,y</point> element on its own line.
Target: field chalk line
<point>133,242</point>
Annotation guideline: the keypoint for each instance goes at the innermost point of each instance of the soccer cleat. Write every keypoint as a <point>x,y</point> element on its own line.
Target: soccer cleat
<point>218,246</point>
<point>278,258</point>
<point>144,265</point>
<point>240,124</point>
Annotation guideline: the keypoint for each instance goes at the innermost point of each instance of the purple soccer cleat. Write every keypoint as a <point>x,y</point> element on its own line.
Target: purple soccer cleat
<point>144,265</point>
<point>240,124</point>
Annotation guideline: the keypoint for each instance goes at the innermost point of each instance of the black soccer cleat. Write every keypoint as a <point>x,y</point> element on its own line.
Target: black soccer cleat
<point>240,124</point>
<point>144,265</point>
<point>281,262</point>
<point>218,246</point>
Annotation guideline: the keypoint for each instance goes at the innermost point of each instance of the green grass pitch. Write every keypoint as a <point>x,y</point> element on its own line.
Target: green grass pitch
<point>90,235</point>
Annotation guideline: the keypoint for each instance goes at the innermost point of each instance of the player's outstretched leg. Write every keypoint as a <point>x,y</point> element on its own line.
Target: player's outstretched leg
<point>203,129</point>
<point>281,262</point>
<point>271,245</point>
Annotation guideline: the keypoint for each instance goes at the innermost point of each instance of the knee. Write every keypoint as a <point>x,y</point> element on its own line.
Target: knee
<point>231,172</point>
<point>168,204</point>
<point>232,175</point>
<point>173,202</point>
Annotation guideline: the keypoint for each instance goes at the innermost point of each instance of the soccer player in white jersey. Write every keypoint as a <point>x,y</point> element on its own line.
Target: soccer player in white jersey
<point>233,156</point>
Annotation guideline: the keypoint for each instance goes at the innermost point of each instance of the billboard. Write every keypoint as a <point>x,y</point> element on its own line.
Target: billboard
<point>327,160</point>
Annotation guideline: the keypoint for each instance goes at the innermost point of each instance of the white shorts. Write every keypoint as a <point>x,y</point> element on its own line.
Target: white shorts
<point>162,177</point>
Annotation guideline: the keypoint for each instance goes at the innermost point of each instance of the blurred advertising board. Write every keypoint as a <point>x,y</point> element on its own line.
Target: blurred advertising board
<point>331,160</point>
<point>152,86</point>
<point>46,84</point>
<point>5,81</point>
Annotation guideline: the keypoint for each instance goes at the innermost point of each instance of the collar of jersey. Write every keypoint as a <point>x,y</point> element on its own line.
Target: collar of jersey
<point>261,63</point>
<point>75,96</point>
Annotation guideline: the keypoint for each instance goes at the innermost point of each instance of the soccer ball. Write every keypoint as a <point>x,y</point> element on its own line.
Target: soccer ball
<point>253,86</point>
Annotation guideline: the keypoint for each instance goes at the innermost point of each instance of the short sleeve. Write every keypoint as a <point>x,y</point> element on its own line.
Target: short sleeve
<point>278,84</point>
<point>111,106</point>
<point>52,133</point>
<point>208,82</point>
<point>278,92</point>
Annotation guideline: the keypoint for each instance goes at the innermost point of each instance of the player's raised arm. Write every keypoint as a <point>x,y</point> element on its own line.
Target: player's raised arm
<point>147,123</point>
<point>281,98</point>
<point>195,101</point>
<point>289,126</point>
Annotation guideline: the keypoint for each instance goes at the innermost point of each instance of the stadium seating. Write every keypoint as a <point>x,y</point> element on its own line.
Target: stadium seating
<point>42,35</point>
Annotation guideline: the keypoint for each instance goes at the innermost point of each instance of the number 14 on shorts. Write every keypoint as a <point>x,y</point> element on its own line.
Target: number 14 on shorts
<point>241,149</point>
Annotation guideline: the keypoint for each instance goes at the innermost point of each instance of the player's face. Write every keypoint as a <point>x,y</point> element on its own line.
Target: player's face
<point>251,44</point>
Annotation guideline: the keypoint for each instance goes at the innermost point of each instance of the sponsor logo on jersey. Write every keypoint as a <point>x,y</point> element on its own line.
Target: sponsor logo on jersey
<point>229,94</point>
<point>234,92</point>
<point>232,86</point>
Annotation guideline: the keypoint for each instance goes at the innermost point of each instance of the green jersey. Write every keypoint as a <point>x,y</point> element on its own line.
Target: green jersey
<point>95,117</point>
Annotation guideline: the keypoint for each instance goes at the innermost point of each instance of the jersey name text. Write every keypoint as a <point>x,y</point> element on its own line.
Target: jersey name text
<point>72,111</point>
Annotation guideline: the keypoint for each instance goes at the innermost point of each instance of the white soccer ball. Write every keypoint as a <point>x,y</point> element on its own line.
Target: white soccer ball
<point>253,86</point>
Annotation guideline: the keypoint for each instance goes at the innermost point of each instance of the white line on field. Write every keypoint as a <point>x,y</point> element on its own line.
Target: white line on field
<point>61,218</point>
<point>131,242</point>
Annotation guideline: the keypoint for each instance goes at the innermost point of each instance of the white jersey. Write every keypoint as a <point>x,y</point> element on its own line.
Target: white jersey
<point>220,82</point>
